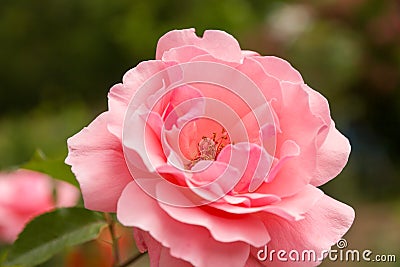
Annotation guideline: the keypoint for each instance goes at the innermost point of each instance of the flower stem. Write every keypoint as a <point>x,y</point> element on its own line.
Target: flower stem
<point>114,239</point>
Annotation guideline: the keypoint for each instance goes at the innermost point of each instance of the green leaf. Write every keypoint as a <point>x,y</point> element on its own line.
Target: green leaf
<point>50,233</point>
<point>56,168</point>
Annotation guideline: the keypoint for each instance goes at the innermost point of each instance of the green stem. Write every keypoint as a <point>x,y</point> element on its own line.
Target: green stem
<point>114,239</point>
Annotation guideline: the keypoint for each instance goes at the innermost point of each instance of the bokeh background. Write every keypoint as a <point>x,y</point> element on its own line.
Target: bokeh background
<point>58,59</point>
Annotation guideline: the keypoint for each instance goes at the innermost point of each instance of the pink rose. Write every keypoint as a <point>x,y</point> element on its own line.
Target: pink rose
<point>25,194</point>
<point>211,152</point>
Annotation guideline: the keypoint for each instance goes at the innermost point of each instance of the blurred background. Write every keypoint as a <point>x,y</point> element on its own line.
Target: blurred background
<point>60,57</point>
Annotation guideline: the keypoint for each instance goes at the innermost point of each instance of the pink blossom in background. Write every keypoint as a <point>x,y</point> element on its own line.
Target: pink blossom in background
<point>25,194</point>
<point>209,172</point>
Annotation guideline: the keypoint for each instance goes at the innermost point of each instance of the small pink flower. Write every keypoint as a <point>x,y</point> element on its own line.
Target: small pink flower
<point>211,152</point>
<point>25,194</point>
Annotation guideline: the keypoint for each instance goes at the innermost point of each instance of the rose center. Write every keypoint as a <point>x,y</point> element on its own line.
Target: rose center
<point>201,139</point>
<point>209,147</point>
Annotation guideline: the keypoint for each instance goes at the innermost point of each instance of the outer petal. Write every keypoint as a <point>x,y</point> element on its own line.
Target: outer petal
<point>249,53</point>
<point>98,162</point>
<point>183,54</point>
<point>121,94</point>
<point>219,44</point>
<point>279,68</point>
<point>332,156</point>
<point>223,226</point>
<point>193,243</point>
<point>319,105</point>
<point>301,126</point>
<point>268,84</point>
<point>322,227</point>
<point>294,207</point>
<point>159,255</point>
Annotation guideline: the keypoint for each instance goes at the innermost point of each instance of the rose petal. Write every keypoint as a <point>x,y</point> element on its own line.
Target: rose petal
<point>280,69</point>
<point>249,53</point>
<point>210,58</point>
<point>319,105</point>
<point>185,103</point>
<point>193,243</point>
<point>67,194</point>
<point>257,199</point>
<point>269,85</point>
<point>158,255</point>
<point>290,208</point>
<point>98,162</point>
<point>212,180</point>
<point>236,200</point>
<point>183,54</point>
<point>294,207</point>
<point>252,261</point>
<point>301,126</point>
<point>332,156</point>
<point>235,209</point>
<point>175,38</point>
<point>257,164</point>
<point>24,194</point>
<point>289,149</point>
<point>260,127</point>
<point>31,189</point>
<point>320,229</point>
<point>140,137</point>
<point>218,43</point>
<point>222,226</point>
<point>120,95</point>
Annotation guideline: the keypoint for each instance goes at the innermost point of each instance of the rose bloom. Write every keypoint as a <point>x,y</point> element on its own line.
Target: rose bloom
<point>25,194</point>
<point>213,191</point>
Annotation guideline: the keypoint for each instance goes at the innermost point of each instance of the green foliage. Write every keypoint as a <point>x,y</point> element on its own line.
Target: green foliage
<point>46,127</point>
<point>56,168</point>
<point>50,233</point>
